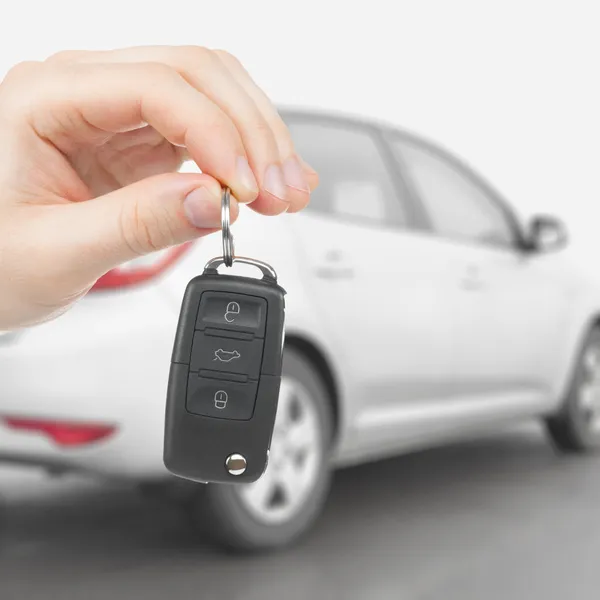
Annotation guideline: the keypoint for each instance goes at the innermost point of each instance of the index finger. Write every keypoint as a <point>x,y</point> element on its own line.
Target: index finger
<point>77,103</point>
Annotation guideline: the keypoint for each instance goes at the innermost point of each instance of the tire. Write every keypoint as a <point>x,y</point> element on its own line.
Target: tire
<point>269,513</point>
<point>576,427</point>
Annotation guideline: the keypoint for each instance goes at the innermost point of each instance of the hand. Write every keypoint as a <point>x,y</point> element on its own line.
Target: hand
<point>90,147</point>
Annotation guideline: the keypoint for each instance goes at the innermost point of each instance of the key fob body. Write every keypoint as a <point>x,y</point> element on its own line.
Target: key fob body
<point>224,379</point>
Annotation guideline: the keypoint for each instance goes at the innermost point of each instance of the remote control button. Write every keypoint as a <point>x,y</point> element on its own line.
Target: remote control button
<point>232,311</point>
<point>226,354</point>
<point>220,399</point>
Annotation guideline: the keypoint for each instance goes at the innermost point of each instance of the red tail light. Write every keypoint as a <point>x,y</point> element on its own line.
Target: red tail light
<point>141,269</point>
<point>63,433</point>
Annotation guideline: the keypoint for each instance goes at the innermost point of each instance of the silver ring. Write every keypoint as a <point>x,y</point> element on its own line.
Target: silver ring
<point>267,270</point>
<point>228,246</point>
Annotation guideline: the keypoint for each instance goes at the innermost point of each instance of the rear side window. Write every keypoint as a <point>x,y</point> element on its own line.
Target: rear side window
<point>353,180</point>
<point>458,206</point>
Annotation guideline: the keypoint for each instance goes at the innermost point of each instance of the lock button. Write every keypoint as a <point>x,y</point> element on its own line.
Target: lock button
<point>236,312</point>
<point>221,399</point>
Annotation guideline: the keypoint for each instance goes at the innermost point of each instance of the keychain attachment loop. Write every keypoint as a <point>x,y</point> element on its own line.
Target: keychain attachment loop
<point>267,270</point>
<point>228,245</point>
<point>229,257</point>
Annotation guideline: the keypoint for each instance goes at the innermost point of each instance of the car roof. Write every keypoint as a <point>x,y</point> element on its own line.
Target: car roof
<point>389,129</point>
<point>379,124</point>
<point>342,118</point>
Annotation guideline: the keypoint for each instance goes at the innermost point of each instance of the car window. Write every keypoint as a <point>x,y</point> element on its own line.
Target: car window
<point>354,182</point>
<point>457,205</point>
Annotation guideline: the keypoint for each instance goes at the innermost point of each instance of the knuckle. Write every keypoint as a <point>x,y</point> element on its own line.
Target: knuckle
<point>129,225</point>
<point>227,57</point>
<point>155,80</point>
<point>220,127</point>
<point>195,57</point>
<point>158,70</point>
<point>146,229</point>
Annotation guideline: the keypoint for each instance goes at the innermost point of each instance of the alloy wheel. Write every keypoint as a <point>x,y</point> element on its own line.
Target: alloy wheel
<point>294,459</point>
<point>589,390</point>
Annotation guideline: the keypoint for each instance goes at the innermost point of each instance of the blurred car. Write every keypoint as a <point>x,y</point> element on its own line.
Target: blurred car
<point>420,309</point>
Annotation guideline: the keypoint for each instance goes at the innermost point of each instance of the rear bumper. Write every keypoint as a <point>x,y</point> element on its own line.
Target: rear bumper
<point>106,361</point>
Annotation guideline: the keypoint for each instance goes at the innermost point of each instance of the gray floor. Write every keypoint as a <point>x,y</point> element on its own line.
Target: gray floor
<point>503,518</point>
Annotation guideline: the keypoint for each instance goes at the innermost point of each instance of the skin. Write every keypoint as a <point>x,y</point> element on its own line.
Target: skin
<point>91,145</point>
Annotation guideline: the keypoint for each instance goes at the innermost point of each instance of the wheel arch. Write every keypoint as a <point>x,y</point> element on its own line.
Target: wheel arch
<point>594,321</point>
<point>317,357</point>
<point>574,349</point>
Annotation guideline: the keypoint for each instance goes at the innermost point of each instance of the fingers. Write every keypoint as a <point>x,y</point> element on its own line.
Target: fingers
<point>283,180</point>
<point>71,103</point>
<point>295,176</point>
<point>149,215</point>
<point>272,117</point>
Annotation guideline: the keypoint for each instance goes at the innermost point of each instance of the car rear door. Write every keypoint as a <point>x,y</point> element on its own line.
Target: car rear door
<point>513,306</point>
<point>385,291</point>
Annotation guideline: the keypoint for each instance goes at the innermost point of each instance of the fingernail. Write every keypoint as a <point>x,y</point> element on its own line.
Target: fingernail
<point>274,182</point>
<point>203,208</point>
<point>246,176</point>
<point>294,176</point>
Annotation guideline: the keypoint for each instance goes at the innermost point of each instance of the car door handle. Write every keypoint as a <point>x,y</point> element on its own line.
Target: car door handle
<point>334,266</point>
<point>333,273</point>
<point>472,280</point>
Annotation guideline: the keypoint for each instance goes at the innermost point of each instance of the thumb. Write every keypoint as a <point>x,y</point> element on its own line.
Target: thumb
<point>84,240</point>
<point>152,214</point>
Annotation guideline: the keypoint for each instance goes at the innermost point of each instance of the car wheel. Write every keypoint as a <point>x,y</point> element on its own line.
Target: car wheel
<point>285,501</point>
<point>576,427</point>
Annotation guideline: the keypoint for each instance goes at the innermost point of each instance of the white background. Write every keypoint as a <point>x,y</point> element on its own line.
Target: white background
<point>512,86</point>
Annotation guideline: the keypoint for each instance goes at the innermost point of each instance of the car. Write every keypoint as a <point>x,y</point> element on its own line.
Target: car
<point>421,308</point>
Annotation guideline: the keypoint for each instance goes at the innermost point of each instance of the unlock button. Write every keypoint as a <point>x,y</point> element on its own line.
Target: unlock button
<point>221,399</point>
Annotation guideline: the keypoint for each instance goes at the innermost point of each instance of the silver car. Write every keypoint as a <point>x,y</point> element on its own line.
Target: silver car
<point>420,309</point>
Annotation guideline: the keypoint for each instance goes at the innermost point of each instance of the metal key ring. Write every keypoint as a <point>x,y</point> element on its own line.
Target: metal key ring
<point>228,246</point>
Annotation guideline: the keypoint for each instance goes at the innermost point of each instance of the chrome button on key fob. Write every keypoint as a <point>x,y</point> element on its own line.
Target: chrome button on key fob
<point>225,374</point>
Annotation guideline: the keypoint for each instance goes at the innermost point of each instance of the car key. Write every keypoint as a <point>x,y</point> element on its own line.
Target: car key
<point>225,372</point>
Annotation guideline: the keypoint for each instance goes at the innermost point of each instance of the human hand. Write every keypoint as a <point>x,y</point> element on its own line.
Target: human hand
<point>90,146</point>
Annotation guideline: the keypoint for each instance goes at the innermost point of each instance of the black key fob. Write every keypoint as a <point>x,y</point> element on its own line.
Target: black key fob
<point>225,376</point>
